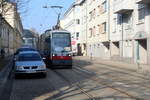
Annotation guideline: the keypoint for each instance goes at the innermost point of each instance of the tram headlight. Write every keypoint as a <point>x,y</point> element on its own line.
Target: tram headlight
<point>69,55</point>
<point>54,54</point>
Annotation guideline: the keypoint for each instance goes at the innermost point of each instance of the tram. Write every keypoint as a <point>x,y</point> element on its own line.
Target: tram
<point>57,48</point>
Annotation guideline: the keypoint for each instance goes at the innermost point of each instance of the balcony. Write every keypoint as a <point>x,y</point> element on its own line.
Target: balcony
<point>143,1</point>
<point>123,6</point>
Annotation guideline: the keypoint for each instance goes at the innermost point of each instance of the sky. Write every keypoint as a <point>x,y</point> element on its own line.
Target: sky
<point>40,18</point>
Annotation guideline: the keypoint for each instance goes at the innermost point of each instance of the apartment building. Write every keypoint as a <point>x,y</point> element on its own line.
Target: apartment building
<point>129,30</point>
<point>72,22</point>
<point>122,29</point>
<point>115,29</point>
<point>13,18</point>
<point>10,28</point>
<point>98,29</point>
<point>142,32</point>
<point>7,35</point>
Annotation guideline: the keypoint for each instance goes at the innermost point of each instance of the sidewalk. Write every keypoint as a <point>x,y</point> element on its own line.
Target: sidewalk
<point>5,73</point>
<point>4,62</point>
<point>143,69</point>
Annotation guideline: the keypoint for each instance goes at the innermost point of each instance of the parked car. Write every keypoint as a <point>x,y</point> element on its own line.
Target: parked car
<point>21,50</point>
<point>24,49</point>
<point>29,62</point>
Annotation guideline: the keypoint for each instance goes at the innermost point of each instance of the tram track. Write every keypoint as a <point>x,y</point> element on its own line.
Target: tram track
<point>91,97</point>
<point>118,69</point>
<point>119,78</point>
<point>100,81</point>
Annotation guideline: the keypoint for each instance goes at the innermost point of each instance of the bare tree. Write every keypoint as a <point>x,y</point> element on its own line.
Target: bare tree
<point>7,5</point>
<point>21,5</point>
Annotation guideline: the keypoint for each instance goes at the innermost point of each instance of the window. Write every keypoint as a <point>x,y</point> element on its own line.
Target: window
<point>77,35</point>
<point>99,29</point>
<point>78,21</point>
<point>104,7</point>
<point>104,27</point>
<point>99,10</point>
<point>90,14</point>
<point>94,13</point>
<point>119,19</point>
<point>115,23</point>
<point>141,13</point>
<point>128,20</point>
<point>91,32</point>
<point>94,31</point>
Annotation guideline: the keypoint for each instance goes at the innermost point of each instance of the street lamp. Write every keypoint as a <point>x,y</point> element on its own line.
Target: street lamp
<point>59,14</point>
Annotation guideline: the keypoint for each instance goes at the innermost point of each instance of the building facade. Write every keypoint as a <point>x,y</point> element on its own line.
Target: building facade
<point>7,35</point>
<point>113,29</point>
<point>130,31</point>
<point>98,33</point>
<point>72,22</point>
<point>10,28</point>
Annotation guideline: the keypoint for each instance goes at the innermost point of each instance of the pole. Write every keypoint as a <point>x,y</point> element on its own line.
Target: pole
<point>122,33</point>
<point>86,29</point>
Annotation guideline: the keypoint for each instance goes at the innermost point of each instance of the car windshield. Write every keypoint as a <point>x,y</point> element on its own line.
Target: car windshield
<point>25,49</point>
<point>29,57</point>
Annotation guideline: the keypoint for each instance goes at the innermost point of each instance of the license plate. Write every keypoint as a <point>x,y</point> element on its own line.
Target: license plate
<point>31,71</point>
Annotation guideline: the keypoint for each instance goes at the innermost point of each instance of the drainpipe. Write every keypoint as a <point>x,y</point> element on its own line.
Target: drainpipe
<point>122,33</point>
<point>86,28</point>
<point>109,27</point>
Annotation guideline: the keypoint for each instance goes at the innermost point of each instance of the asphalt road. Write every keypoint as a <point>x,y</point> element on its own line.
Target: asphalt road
<point>86,81</point>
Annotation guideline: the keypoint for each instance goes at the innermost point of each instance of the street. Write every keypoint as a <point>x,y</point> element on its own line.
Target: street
<point>86,81</point>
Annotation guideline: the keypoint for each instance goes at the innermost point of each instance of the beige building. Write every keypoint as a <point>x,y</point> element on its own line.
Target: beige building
<point>10,28</point>
<point>13,18</point>
<point>116,29</point>
<point>98,28</point>
<point>72,22</point>
<point>7,34</point>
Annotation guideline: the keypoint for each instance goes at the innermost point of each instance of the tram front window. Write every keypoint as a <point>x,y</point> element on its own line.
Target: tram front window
<point>61,42</point>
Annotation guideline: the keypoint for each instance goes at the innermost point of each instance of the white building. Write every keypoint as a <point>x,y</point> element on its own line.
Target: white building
<point>72,22</point>
<point>98,28</point>
<point>116,29</point>
<point>130,30</point>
